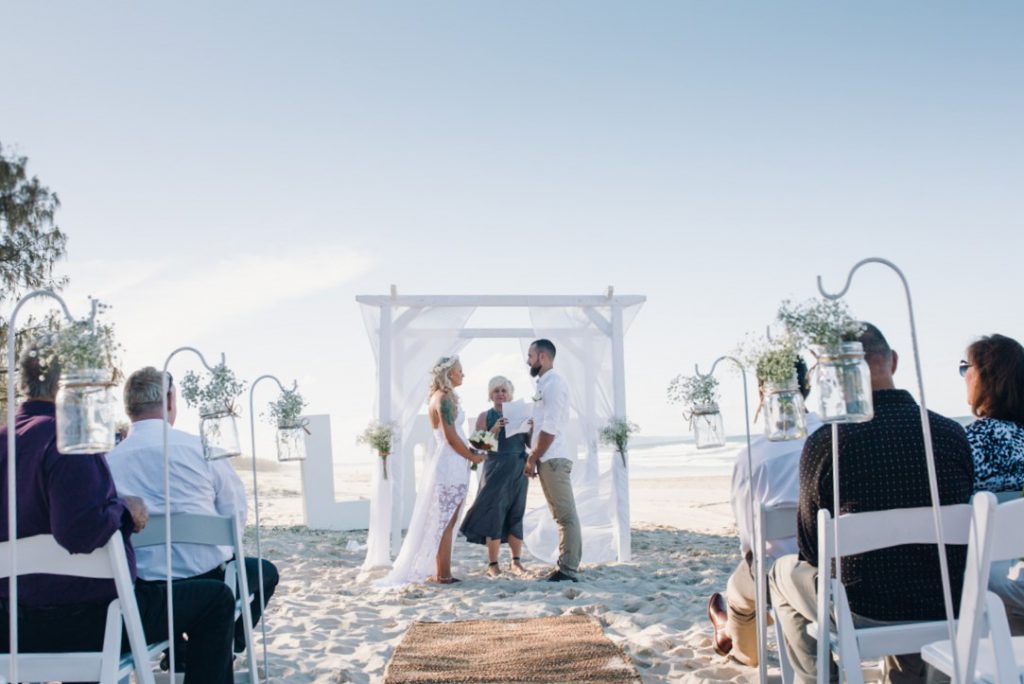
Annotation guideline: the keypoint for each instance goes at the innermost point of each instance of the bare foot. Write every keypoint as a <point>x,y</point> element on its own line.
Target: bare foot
<point>517,567</point>
<point>433,579</point>
<point>493,570</point>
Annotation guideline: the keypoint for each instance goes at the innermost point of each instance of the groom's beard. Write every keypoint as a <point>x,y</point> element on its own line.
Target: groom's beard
<point>534,371</point>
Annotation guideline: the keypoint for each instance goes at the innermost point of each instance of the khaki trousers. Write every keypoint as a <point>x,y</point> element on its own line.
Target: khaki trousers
<point>794,590</point>
<point>741,596</point>
<point>556,482</point>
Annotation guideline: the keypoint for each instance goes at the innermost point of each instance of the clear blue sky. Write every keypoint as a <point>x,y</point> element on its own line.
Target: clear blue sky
<point>233,174</point>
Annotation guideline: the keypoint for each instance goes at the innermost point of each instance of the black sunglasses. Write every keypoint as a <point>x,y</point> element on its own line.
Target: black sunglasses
<point>963,368</point>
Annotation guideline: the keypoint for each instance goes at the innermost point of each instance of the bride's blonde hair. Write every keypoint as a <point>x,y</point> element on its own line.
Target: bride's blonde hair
<point>439,380</point>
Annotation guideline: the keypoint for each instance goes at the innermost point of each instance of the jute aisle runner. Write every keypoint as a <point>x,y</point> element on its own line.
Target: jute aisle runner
<point>568,648</point>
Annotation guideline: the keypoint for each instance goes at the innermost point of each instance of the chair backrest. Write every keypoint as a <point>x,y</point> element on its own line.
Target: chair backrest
<point>771,523</point>
<point>188,528</point>
<point>41,554</point>
<point>870,531</point>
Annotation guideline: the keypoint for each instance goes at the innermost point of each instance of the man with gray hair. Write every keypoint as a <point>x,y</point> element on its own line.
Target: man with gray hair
<point>197,486</point>
<point>72,497</point>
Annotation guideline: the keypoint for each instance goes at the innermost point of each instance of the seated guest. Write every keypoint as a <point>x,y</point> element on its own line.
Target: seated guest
<point>994,373</point>
<point>73,498</point>
<point>197,486</point>
<point>776,483</point>
<point>882,466</point>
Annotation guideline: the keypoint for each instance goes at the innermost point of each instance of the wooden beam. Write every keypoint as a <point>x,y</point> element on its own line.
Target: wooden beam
<point>502,300</point>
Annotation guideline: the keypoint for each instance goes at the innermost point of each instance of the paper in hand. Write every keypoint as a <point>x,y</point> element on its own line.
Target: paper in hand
<point>518,415</point>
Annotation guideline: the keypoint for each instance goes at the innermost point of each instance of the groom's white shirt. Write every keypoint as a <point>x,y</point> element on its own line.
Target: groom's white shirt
<point>551,415</point>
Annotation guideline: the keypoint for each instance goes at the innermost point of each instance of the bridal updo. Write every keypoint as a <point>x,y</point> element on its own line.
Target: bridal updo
<point>439,380</point>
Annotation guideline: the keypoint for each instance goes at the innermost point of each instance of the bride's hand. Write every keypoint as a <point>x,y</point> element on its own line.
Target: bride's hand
<point>475,456</point>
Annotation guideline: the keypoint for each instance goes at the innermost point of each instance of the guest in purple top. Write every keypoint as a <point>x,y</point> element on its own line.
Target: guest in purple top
<point>73,498</point>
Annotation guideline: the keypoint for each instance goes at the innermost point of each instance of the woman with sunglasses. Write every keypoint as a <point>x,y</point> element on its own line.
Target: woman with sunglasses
<point>994,373</point>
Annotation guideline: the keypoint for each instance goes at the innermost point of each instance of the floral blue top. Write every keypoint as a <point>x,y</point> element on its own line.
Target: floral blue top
<point>998,450</point>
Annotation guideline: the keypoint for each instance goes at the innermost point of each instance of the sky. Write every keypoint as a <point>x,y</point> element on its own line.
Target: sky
<point>233,174</point>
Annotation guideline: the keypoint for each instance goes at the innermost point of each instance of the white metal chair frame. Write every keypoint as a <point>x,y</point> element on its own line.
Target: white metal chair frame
<point>41,554</point>
<point>213,530</point>
<point>985,650</point>
<point>770,524</point>
<point>860,533</point>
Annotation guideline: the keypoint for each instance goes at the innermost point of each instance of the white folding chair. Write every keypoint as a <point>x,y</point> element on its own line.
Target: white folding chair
<point>985,650</point>
<point>212,530</point>
<point>860,533</point>
<point>41,554</point>
<point>770,524</point>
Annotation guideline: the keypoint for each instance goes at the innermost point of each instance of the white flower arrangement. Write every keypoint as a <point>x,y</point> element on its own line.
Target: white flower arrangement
<point>484,440</point>
<point>774,360</point>
<point>694,390</point>
<point>379,437</point>
<point>823,323</point>
<point>616,433</point>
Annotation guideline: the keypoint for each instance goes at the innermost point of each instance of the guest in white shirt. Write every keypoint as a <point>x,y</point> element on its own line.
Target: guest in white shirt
<point>551,460</point>
<point>776,483</point>
<point>197,486</point>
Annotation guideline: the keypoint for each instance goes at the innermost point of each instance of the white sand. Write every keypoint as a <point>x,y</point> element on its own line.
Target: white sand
<point>324,626</point>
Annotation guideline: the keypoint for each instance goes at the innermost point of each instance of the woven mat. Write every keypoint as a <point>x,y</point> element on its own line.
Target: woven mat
<point>568,648</point>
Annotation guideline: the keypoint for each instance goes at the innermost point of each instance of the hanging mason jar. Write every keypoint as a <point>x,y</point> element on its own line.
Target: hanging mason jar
<point>844,382</point>
<point>219,432</point>
<point>291,442</point>
<point>708,429</point>
<point>85,412</point>
<point>784,415</point>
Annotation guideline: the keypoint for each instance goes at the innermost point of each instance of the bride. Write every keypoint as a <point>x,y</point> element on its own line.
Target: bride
<point>446,478</point>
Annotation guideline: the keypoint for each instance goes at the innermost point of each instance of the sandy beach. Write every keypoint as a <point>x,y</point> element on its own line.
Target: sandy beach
<point>327,624</point>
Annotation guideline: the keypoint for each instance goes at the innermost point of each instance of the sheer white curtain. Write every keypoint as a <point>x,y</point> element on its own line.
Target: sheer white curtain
<point>419,336</point>
<point>583,337</point>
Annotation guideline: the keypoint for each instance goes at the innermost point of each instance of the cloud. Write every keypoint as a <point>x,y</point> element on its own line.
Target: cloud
<point>198,297</point>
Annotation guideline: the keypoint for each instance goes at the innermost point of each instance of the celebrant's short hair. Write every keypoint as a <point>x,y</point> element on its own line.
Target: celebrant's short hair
<point>143,391</point>
<point>544,345</point>
<point>998,361</point>
<point>500,381</point>
<point>38,378</point>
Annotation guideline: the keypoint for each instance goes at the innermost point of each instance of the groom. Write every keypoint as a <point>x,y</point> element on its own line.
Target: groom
<point>550,420</point>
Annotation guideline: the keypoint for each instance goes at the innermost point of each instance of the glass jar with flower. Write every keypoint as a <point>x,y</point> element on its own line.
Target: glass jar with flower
<point>286,413</point>
<point>775,362</point>
<point>85,351</point>
<point>842,375</point>
<point>700,394</point>
<point>214,395</point>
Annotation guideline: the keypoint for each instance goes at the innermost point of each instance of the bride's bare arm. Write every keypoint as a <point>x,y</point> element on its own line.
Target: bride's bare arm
<point>448,411</point>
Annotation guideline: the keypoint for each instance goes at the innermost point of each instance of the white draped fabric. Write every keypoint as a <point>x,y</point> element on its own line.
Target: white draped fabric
<point>588,332</point>
<point>582,336</point>
<point>419,336</point>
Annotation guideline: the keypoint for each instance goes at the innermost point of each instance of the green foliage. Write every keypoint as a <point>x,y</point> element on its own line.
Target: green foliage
<point>83,345</point>
<point>214,391</point>
<point>694,390</point>
<point>774,360</point>
<point>616,433</point>
<point>287,409</point>
<point>824,323</point>
<point>30,245</point>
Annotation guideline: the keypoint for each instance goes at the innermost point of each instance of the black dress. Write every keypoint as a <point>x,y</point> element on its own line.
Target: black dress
<point>500,502</point>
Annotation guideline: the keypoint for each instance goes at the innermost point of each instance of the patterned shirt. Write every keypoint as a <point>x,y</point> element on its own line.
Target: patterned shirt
<point>882,466</point>
<point>998,450</point>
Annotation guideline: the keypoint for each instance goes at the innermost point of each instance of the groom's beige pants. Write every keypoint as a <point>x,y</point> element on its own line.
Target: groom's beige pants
<point>556,482</point>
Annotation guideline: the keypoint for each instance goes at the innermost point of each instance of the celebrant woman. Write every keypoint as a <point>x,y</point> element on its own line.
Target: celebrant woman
<point>496,516</point>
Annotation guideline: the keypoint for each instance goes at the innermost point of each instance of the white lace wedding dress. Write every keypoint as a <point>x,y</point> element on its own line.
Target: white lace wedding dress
<point>446,480</point>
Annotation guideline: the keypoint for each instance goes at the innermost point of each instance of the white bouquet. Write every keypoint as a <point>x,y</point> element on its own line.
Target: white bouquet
<point>484,440</point>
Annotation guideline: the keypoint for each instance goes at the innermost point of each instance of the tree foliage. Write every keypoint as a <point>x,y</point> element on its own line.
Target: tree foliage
<point>30,241</point>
